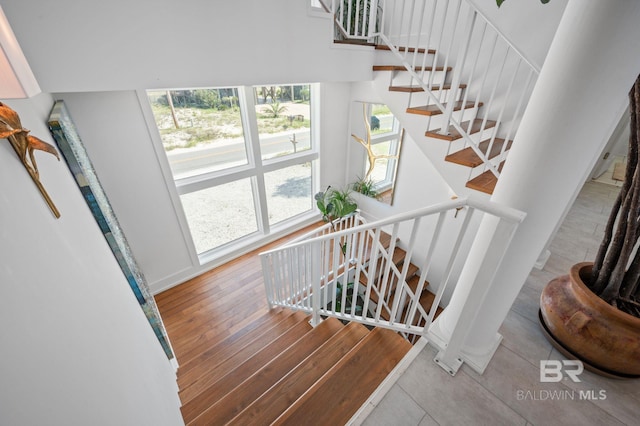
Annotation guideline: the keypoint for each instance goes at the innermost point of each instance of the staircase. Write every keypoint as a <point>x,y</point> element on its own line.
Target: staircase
<point>280,370</point>
<point>390,291</point>
<point>450,77</point>
<point>463,155</point>
<point>383,266</point>
<point>314,358</point>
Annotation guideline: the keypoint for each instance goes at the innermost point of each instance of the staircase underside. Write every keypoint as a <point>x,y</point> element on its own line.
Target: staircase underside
<point>480,177</point>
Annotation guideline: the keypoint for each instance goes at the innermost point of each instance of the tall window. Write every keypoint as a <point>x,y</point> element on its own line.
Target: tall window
<point>242,158</point>
<point>385,142</point>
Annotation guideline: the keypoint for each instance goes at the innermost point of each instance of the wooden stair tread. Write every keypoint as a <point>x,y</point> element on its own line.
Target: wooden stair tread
<point>453,134</point>
<point>299,337</point>
<point>287,391</point>
<point>210,373</point>
<point>205,327</point>
<point>486,182</point>
<point>403,49</point>
<point>398,259</point>
<point>391,285</point>
<point>426,301</point>
<point>398,255</point>
<point>385,241</point>
<point>413,89</point>
<point>413,285</point>
<point>354,41</point>
<point>339,394</point>
<point>432,110</point>
<point>230,397</point>
<point>270,317</point>
<point>227,347</point>
<point>468,157</point>
<point>403,68</point>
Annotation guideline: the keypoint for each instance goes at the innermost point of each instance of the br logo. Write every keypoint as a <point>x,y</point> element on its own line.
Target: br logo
<point>552,370</point>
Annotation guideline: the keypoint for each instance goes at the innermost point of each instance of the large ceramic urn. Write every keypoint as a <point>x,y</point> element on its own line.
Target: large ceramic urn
<point>605,338</point>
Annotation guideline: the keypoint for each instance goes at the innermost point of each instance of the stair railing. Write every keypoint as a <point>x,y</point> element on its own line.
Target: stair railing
<point>351,274</point>
<point>355,19</point>
<point>491,79</point>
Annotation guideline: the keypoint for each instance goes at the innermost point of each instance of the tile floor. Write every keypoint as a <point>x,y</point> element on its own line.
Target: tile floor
<point>510,391</point>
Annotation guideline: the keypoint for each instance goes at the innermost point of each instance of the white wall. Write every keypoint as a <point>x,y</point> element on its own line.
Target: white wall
<point>75,45</point>
<point>418,184</point>
<point>76,347</point>
<point>95,56</point>
<point>121,146</point>
<point>118,142</point>
<point>617,146</point>
<point>528,24</point>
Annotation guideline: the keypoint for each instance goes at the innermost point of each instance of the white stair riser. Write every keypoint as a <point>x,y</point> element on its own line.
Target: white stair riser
<point>421,98</point>
<point>461,143</point>
<point>401,78</point>
<point>437,121</point>
<point>387,57</point>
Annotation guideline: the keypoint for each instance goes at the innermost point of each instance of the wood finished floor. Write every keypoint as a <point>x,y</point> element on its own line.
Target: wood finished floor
<point>212,322</point>
<point>209,308</point>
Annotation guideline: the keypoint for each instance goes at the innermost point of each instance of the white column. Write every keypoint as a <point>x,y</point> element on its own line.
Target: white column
<point>580,95</point>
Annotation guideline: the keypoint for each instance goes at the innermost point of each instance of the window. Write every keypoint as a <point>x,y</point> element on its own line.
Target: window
<point>386,137</point>
<point>220,214</point>
<point>242,159</point>
<point>285,114</point>
<point>288,191</point>
<point>201,130</point>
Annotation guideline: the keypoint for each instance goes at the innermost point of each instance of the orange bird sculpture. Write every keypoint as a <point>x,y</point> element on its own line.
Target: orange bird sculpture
<point>25,145</point>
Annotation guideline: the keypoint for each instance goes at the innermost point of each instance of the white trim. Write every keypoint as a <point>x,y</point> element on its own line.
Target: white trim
<point>217,258</point>
<point>478,362</point>
<point>255,169</point>
<point>165,168</point>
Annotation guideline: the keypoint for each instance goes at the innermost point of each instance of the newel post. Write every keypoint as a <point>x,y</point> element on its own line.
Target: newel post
<point>450,336</point>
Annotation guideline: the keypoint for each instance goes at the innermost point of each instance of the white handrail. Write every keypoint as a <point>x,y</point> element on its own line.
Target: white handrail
<point>533,66</point>
<point>351,274</point>
<point>494,89</point>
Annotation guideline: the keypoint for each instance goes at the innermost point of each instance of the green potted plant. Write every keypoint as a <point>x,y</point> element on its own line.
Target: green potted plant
<point>365,187</point>
<point>335,204</point>
<point>594,312</point>
<point>357,310</point>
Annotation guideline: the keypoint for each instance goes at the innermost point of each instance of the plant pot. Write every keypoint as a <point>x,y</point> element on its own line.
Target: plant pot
<point>585,326</point>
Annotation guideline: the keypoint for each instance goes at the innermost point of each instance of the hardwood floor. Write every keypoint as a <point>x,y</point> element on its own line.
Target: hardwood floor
<point>207,309</point>
<point>241,363</point>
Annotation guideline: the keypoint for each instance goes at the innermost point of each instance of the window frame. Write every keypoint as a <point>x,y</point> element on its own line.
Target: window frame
<point>395,137</point>
<point>255,170</point>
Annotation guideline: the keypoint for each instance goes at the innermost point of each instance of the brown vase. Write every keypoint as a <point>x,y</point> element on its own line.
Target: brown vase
<point>587,327</point>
